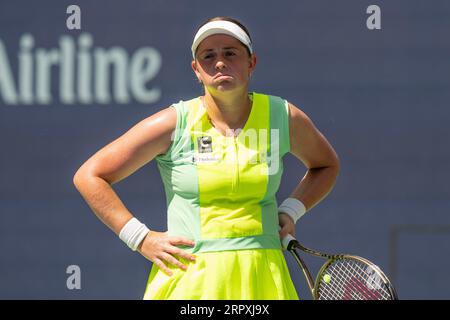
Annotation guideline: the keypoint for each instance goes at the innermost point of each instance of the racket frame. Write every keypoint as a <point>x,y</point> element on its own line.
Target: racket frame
<point>314,285</point>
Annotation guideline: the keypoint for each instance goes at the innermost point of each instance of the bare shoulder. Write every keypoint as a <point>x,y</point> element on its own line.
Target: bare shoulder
<point>300,125</point>
<point>308,144</point>
<point>136,147</point>
<point>297,117</point>
<point>159,124</point>
<point>154,131</point>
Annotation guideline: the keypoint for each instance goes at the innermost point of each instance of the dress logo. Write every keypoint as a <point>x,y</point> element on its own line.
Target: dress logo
<point>204,144</point>
<point>204,151</point>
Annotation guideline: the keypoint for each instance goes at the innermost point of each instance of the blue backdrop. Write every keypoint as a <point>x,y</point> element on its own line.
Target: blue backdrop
<point>381,97</point>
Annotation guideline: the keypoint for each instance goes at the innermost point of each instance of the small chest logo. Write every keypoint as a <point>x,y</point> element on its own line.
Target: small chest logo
<point>204,153</point>
<point>204,144</point>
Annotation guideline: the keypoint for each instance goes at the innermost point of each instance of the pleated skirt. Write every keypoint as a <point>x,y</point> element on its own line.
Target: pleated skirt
<point>255,274</point>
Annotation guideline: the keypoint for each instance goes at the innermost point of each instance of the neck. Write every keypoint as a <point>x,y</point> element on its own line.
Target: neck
<point>230,111</point>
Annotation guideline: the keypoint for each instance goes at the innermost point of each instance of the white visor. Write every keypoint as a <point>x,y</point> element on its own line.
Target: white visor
<point>221,27</point>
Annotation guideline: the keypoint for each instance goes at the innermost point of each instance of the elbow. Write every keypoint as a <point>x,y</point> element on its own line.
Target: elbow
<point>78,178</point>
<point>81,177</point>
<point>86,175</point>
<point>336,166</point>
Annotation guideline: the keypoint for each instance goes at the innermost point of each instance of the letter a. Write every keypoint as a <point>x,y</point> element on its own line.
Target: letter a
<point>374,21</point>
<point>74,20</point>
<point>74,281</point>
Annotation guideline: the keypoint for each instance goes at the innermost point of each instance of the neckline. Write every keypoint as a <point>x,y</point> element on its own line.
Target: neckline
<point>252,98</point>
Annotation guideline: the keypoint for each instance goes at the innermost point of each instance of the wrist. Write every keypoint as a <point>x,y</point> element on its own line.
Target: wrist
<point>282,218</point>
<point>293,207</point>
<point>133,233</point>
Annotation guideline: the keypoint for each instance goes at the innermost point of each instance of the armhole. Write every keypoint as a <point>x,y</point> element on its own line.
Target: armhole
<point>175,134</point>
<point>286,127</point>
<point>279,118</point>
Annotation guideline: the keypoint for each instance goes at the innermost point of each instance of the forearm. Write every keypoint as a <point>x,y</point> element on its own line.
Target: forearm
<point>315,185</point>
<point>103,201</point>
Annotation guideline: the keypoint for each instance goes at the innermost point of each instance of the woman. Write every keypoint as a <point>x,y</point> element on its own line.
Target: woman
<point>220,158</point>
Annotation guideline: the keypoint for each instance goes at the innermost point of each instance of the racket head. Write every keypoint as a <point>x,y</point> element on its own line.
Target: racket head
<point>349,277</point>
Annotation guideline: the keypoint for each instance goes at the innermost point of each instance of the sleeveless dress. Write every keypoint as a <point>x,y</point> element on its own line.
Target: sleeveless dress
<point>220,192</point>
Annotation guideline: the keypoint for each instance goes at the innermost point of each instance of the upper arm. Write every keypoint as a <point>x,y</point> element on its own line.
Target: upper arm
<point>308,144</point>
<point>135,148</point>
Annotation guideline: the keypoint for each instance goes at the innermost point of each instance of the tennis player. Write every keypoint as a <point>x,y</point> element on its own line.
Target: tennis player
<point>220,159</point>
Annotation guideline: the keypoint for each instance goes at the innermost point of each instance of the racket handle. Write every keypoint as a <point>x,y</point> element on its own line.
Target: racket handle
<point>286,240</point>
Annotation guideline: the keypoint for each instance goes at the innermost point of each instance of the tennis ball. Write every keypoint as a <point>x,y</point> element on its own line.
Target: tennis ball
<point>327,278</point>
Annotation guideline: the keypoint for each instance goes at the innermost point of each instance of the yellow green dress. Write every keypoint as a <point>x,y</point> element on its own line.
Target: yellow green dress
<point>220,191</point>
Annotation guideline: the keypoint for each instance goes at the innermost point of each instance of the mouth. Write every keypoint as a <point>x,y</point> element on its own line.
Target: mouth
<point>220,75</point>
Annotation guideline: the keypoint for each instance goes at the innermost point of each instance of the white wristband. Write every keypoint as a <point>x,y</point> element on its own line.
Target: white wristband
<point>292,207</point>
<point>133,232</point>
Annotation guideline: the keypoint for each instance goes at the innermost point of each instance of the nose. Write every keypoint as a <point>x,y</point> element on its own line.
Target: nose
<point>220,64</point>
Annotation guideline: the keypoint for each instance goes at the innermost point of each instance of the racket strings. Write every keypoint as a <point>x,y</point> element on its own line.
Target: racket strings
<point>341,276</point>
<point>351,280</point>
<point>357,285</point>
<point>334,291</point>
<point>326,294</point>
<point>339,289</point>
<point>359,281</point>
<point>372,280</point>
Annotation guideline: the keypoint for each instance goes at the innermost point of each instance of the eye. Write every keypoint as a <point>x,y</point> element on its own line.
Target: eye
<point>209,55</point>
<point>229,53</point>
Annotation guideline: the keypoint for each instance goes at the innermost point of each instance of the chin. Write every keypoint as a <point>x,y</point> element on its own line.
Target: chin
<point>224,86</point>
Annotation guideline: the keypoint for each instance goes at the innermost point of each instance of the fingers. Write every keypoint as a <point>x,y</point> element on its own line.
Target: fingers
<point>181,253</point>
<point>179,241</point>
<point>170,259</point>
<point>285,230</point>
<point>162,266</point>
<point>161,250</point>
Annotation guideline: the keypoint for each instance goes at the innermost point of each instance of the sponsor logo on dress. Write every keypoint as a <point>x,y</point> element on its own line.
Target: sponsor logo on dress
<point>204,144</point>
<point>205,158</point>
<point>204,151</point>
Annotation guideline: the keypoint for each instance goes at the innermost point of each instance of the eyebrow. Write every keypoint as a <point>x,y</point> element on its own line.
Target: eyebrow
<point>226,48</point>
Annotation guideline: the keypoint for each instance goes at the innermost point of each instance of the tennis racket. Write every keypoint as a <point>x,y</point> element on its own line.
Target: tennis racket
<point>343,277</point>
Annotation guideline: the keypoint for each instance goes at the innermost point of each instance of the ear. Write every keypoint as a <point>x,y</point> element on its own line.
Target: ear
<point>252,63</point>
<point>194,68</point>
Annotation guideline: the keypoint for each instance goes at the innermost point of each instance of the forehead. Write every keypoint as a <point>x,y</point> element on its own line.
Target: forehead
<point>219,41</point>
